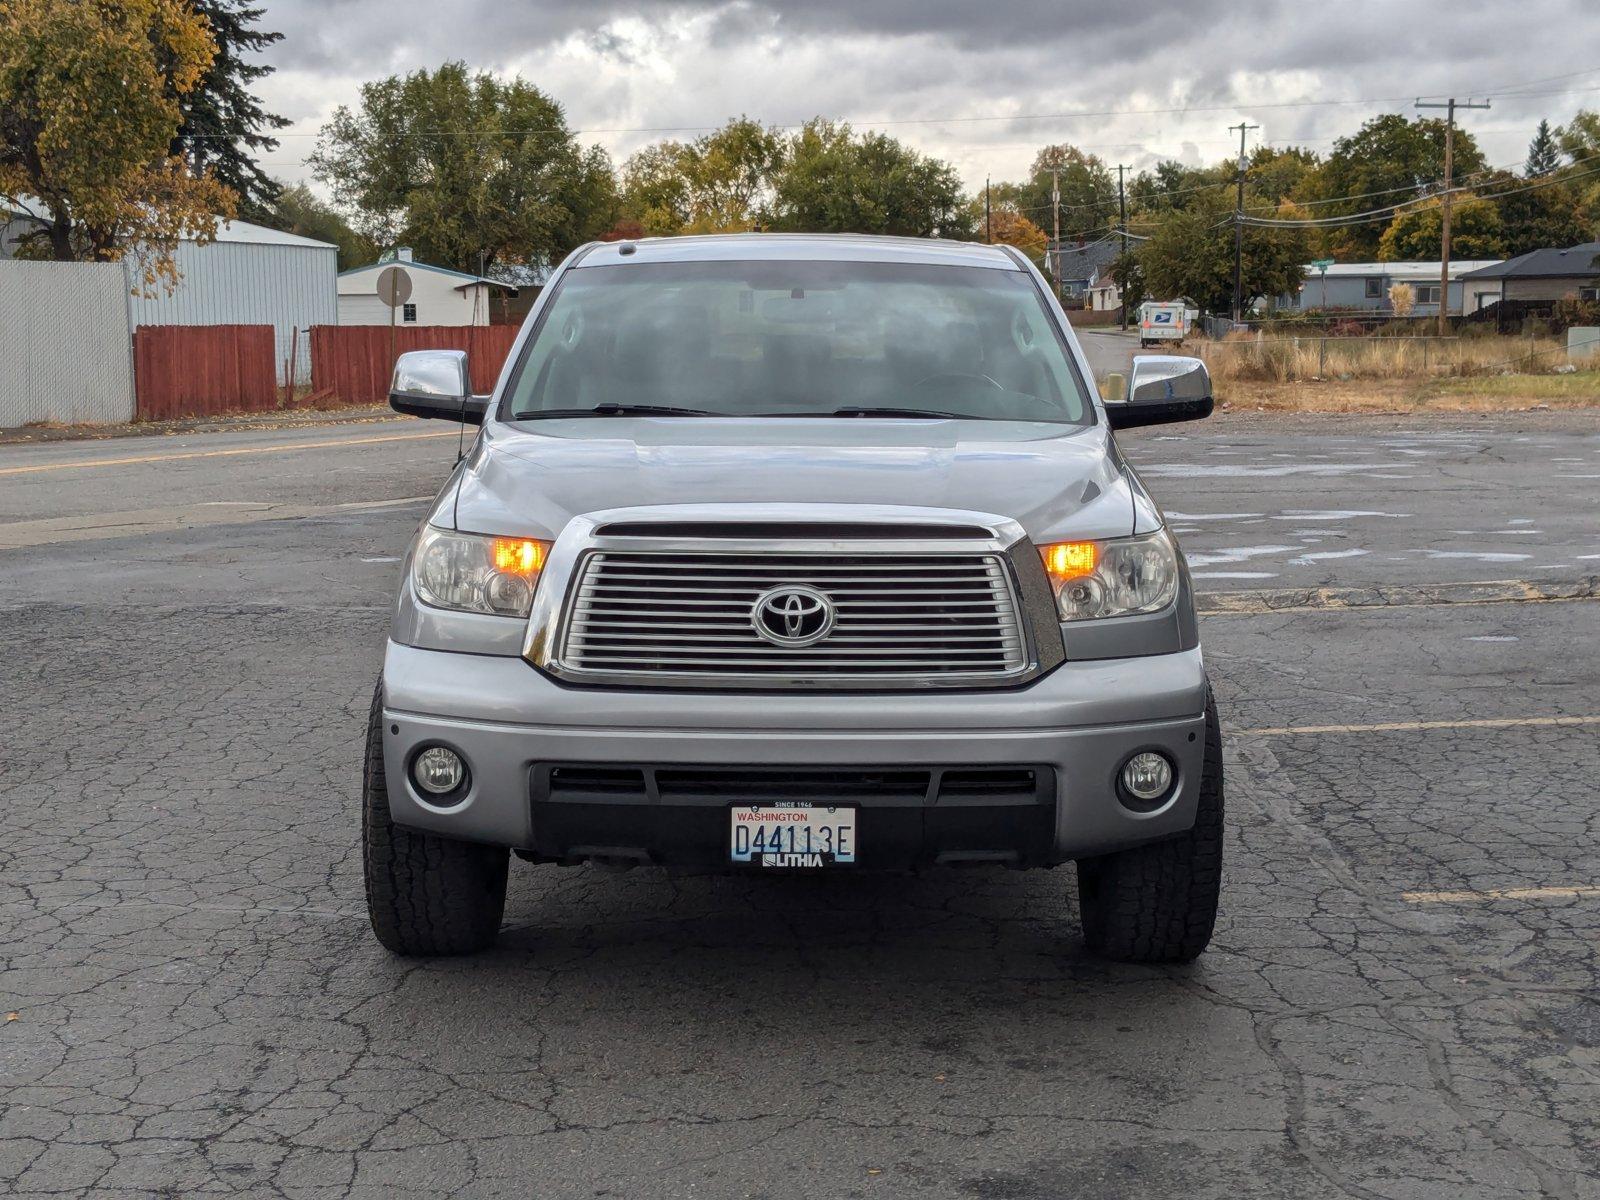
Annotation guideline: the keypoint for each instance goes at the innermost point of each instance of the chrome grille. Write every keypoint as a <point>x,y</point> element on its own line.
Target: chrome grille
<point>900,617</point>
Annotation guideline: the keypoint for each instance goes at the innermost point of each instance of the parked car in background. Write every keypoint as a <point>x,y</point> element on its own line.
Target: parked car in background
<point>796,553</point>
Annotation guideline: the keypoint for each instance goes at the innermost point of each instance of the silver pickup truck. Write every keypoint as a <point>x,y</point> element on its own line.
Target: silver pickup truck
<point>783,553</point>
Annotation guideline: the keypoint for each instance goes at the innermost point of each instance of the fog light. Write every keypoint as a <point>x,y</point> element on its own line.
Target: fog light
<point>1147,776</point>
<point>439,771</point>
<point>1080,599</point>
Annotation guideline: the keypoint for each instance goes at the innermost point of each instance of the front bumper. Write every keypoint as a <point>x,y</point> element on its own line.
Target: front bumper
<point>1078,724</point>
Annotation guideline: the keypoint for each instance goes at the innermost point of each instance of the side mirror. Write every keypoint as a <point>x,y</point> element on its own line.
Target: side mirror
<point>1163,388</point>
<point>435,383</point>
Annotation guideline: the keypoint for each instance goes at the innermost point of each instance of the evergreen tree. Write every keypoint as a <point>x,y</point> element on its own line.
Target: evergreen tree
<point>224,125</point>
<point>1544,155</point>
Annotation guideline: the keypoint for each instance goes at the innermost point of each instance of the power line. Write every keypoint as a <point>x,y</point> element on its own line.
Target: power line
<point>1414,193</point>
<point>1218,184</point>
<point>1385,213</point>
<point>1507,88</point>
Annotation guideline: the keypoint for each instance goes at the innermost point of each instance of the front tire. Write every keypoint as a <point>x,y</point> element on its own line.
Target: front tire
<point>1158,903</point>
<point>426,895</point>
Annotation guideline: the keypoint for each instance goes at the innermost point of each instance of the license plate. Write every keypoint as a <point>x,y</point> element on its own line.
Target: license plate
<point>792,835</point>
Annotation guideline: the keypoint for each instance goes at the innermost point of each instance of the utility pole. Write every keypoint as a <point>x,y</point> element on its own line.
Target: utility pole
<point>1055,212</point>
<point>1122,223</point>
<point>1445,198</point>
<point>988,213</point>
<point>1238,228</point>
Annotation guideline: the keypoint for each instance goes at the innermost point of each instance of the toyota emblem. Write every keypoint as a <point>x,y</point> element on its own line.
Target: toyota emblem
<point>793,615</point>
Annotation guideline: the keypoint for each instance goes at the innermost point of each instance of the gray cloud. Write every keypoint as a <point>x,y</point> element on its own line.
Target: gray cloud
<point>624,66</point>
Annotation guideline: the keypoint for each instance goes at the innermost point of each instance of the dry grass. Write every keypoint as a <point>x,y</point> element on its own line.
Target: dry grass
<point>1248,356</point>
<point>1489,393</point>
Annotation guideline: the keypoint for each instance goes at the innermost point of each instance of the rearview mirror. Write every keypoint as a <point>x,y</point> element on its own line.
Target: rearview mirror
<point>435,383</point>
<point>1163,388</point>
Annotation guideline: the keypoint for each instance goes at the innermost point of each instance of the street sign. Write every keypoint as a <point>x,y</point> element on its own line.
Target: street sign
<point>394,286</point>
<point>1322,264</point>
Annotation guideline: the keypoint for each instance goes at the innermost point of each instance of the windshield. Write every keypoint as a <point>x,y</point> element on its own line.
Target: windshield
<point>773,338</point>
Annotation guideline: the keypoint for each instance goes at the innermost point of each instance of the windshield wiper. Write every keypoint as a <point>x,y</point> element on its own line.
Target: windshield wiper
<point>619,410</point>
<point>867,411</point>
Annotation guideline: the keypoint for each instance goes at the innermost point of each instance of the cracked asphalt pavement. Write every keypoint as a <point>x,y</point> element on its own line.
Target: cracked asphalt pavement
<point>1400,1002</point>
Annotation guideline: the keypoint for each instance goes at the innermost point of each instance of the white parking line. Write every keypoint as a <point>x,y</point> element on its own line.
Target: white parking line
<point>1574,892</point>
<point>1411,726</point>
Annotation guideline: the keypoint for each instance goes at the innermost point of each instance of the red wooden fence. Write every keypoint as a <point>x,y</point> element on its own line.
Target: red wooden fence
<point>198,370</point>
<point>354,362</point>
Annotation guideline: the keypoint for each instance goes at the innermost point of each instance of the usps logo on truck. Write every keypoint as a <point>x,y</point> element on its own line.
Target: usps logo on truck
<point>1162,321</point>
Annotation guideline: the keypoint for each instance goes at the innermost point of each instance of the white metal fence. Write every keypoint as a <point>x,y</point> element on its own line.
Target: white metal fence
<point>64,348</point>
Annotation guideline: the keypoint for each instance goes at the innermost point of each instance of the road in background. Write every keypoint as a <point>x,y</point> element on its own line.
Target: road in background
<point>1108,350</point>
<point>1405,958</point>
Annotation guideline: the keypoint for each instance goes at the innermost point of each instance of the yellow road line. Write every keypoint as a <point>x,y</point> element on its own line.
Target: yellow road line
<point>146,458</point>
<point>1409,726</point>
<point>1575,892</point>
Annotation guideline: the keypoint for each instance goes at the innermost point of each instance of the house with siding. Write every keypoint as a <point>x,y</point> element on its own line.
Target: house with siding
<point>1364,287</point>
<point>1079,268</point>
<point>439,295</point>
<point>1543,275</point>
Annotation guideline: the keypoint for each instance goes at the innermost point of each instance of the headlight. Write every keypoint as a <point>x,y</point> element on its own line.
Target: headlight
<point>1112,578</point>
<point>472,573</point>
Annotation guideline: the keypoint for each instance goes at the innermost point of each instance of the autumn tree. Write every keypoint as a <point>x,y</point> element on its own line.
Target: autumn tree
<point>722,182</point>
<point>1579,139</point>
<point>1011,228</point>
<point>655,190</point>
<point>1416,232</point>
<point>1389,160</point>
<point>1274,174</point>
<point>469,170</point>
<point>90,97</point>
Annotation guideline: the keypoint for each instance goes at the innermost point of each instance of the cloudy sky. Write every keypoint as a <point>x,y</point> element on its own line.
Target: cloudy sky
<point>982,85</point>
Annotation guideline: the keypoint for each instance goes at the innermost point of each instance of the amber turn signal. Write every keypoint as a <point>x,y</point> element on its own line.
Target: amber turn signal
<point>1070,560</point>
<point>518,556</point>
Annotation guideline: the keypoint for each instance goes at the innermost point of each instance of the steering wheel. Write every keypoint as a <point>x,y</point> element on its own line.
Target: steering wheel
<point>958,375</point>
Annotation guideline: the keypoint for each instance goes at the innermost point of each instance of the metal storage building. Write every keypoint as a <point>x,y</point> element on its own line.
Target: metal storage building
<point>250,275</point>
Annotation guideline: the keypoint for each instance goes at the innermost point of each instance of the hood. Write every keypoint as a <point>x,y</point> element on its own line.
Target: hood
<point>529,480</point>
